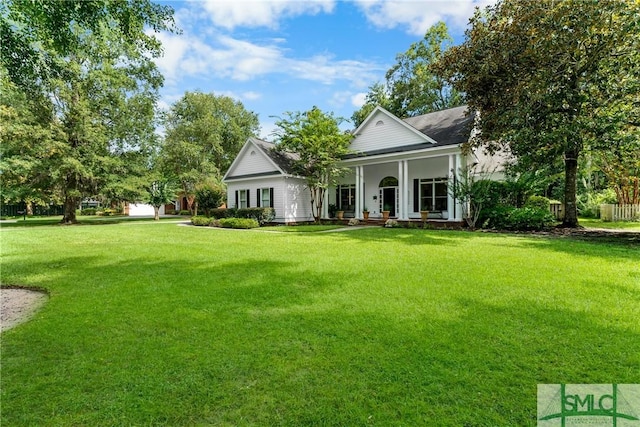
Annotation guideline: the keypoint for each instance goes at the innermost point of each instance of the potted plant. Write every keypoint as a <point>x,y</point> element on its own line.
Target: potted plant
<point>365,213</point>
<point>385,212</point>
<point>340,214</point>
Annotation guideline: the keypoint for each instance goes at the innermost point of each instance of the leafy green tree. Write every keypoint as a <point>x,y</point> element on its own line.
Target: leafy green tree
<point>415,89</point>
<point>36,33</point>
<point>204,133</point>
<point>411,87</point>
<point>24,173</point>
<point>540,74</point>
<point>210,195</point>
<point>91,62</point>
<point>160,193</point>
<point>319,144</point>
<point>378,95</point>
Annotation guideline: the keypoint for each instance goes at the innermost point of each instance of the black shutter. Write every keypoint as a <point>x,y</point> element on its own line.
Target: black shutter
<point>237,198</point>
<point>416,195</point>
<point>271,197</point>
<point>258,198</point>
<point>248,198</point>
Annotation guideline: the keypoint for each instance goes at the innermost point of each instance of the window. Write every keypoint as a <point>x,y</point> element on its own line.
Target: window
<point>265,197</point>
<point>433,194</point>
<point>242,199</point>
<point>347,197</point>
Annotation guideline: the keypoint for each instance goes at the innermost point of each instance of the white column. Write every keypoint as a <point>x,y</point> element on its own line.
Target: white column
<point>358,212</point>
<point>459,160</point>
<point>407,199</point>
<point>400,205</point>
<point>451,204</point>
<point>361,195</point>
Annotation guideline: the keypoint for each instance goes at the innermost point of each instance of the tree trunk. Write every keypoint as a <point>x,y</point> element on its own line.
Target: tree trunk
<point>69,216</point>
<point>156,213</point>
<point>570,185</point>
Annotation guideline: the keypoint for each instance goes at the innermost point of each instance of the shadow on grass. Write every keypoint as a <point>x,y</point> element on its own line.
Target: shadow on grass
<point>205,340</point>
<point>82,220</point>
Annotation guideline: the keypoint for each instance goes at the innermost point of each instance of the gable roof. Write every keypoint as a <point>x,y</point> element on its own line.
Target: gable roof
<point>281,163</point>
<point>393,117</point>
<point>284,160</point>
<point>446,127</point>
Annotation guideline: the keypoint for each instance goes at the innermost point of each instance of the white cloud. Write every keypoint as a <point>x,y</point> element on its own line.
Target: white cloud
<point>251,96</point>
<point>418,16</point>
<point>359,99</point>
<point>226,57</point>
<point>230,14</point>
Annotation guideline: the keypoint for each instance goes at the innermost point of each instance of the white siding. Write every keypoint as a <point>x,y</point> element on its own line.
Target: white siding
<point>297,201</point>
<point>252,161</point>
<point>291,199</point>
<point>383,132</point>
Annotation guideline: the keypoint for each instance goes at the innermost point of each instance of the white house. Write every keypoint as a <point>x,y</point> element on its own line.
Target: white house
<point>403,166</point>
<point>261,176</point>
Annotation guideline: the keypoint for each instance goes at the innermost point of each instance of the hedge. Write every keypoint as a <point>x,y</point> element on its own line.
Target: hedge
<point>239,223</point>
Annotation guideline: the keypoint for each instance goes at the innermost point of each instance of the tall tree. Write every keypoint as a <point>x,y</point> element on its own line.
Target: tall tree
<point>378,95</point>
<point>159,193</point>
<point>204,133</point>
<point>319,143</point>
<point>415,89</point>
<point>93,62</point>
<point>535,73</point>
<point>411,87</point>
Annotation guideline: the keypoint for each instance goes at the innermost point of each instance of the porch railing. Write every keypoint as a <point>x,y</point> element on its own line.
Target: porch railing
<point>610,212</point>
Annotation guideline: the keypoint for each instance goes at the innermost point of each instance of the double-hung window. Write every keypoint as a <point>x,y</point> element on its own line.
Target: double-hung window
<point>242,199</point>
<point>265,197</point>
<point>433,194</point>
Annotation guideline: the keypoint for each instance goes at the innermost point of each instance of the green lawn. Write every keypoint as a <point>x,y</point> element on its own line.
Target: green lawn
<point>620,225</point>
<point>158,324</point>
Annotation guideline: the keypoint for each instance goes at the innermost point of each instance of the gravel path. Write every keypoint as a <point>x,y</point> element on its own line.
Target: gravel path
<point>17,305</point>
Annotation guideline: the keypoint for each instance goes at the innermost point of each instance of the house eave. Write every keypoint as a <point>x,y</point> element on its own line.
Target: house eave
<point>399,153</point>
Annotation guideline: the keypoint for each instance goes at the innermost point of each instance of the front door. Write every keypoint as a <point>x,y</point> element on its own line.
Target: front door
<point>388,199</point>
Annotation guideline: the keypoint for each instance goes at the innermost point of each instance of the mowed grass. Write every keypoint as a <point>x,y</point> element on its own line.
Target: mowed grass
<point>157,324</point>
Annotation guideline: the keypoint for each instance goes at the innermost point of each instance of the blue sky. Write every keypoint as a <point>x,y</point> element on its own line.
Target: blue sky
<point>277,56</point>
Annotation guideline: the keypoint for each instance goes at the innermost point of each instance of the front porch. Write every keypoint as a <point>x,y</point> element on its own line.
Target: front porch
<point>402,187</point>
<point>410,223</point>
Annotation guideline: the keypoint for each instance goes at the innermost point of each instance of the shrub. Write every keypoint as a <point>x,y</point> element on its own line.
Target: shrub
<point>239,223</point>
<point>503,217</point>
<point>589,204</point>
<point>538,202</point>
<point>88,211</point>
<point>185,212</point>
<point>201,220</point>
<point>262,215</point>
<point>495,217</point>
<point>530,218</point>
<point>106,212</point>
<point>170,212</point>
<point>210,195</point>
<point>392,223</point>
<point>222,213</point>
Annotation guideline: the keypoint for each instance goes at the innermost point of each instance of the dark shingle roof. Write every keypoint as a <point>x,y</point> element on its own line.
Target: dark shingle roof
<point>283,159</point>
<point>446,127</point>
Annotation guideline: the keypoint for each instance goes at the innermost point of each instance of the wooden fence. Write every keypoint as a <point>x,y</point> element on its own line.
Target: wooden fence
<point>557,210</point>
<point>619,212</point>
